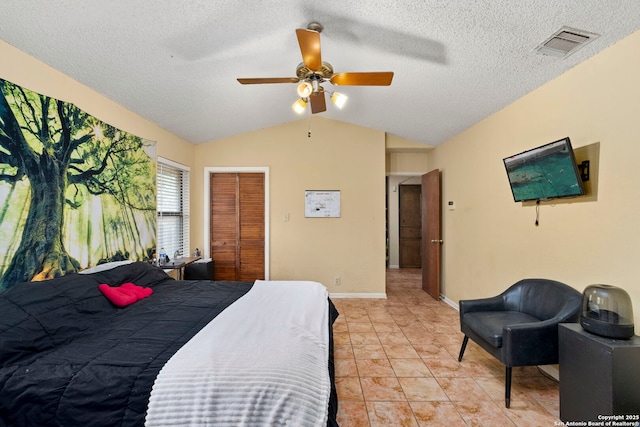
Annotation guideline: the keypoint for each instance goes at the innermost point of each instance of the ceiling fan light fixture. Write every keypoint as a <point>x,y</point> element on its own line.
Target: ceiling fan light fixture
<point>312,73</point>
<point>304,89</point>
<point>299,106</point>
<point>339,99</point>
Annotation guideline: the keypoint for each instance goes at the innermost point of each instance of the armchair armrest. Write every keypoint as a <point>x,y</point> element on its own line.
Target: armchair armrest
<point>521,343</point>
<point>484,304</point>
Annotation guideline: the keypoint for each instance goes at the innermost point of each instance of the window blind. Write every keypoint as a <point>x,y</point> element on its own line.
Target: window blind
<point>173,207</point>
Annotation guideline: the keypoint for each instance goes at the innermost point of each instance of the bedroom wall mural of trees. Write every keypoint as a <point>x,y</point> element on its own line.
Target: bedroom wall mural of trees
<point>74,191</point>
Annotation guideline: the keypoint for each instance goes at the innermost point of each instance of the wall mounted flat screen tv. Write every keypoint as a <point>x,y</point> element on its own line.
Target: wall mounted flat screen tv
<point>546,172</point>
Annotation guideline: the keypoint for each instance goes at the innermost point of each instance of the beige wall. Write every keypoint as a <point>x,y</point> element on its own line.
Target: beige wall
<point>403,163</point>
<point>405,156</point>
<point>24,70</point>
<point>491,242</point>
<point>338,156</point>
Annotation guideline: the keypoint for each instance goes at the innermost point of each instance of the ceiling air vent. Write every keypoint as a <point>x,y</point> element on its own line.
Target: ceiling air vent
<point>565,41</point>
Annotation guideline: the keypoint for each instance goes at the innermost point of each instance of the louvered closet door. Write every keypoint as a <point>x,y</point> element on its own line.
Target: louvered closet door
<point>237,225</point>
<point>251,231</point>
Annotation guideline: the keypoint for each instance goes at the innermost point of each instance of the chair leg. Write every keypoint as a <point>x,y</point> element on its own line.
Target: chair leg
<point>462,349</point>
<point>507,388</point>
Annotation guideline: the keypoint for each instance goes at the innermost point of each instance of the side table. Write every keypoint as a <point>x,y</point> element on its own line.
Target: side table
<point>599,376</point>
<point>179,264</point>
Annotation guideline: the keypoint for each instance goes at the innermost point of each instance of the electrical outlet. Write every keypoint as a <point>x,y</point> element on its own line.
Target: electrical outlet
<point>336,281</point>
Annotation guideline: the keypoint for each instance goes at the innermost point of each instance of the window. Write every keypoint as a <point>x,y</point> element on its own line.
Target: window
<point>173,207</point>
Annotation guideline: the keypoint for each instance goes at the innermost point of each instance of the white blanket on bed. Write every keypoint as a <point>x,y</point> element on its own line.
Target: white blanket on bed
<point>261,362</point>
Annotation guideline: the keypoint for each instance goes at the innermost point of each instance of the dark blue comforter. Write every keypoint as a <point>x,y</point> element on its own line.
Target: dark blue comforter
<point>69,357</point>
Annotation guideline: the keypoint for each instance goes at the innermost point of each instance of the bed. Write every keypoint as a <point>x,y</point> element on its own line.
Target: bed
<point>191,353</point>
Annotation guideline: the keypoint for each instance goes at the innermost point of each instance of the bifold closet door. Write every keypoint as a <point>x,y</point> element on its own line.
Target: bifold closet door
<point>237,225</point>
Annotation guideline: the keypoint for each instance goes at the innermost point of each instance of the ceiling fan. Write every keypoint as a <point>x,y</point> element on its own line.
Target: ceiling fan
<point>312,71</point>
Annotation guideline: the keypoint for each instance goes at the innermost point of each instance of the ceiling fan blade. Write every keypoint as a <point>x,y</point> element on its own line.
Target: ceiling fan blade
<point>258,81</point>
<point>363,79</point>
<point>309,42</point>
<point>318,103</point>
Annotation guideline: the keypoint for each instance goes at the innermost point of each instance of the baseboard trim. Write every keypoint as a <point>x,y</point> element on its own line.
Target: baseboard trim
<point>450,302</point>
<point>394,266</point>
<point>356,295</point>
<point>551,371</point>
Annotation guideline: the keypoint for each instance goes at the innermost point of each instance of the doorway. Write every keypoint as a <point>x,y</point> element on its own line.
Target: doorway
<point>430,211</point>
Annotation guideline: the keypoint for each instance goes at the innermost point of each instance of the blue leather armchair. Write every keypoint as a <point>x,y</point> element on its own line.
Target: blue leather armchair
<point>519,327</point>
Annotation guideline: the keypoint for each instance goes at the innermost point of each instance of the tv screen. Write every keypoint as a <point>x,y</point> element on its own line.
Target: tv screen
<point>545,172</point>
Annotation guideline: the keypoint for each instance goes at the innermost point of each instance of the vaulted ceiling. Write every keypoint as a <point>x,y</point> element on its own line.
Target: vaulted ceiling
<point>176,62</point>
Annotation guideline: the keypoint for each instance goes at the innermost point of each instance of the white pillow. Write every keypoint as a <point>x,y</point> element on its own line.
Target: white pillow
<point>105,266</point>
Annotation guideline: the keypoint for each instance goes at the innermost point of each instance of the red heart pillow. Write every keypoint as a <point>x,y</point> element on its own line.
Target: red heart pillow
<point>118,296</point>
<point>138,291</point>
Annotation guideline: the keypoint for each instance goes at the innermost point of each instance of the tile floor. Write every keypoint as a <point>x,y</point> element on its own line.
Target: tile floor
<point>396,365</point>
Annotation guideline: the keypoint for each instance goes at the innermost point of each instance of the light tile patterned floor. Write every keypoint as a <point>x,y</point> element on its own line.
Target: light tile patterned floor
<point>396,365</point>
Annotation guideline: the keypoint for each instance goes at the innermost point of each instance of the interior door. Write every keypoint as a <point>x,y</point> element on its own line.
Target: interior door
<point>237,220</point>
<point>431,234</point>
<point>410,235</point>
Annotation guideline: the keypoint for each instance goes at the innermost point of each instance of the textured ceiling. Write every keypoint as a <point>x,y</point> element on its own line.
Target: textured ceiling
<point>176,62</point>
